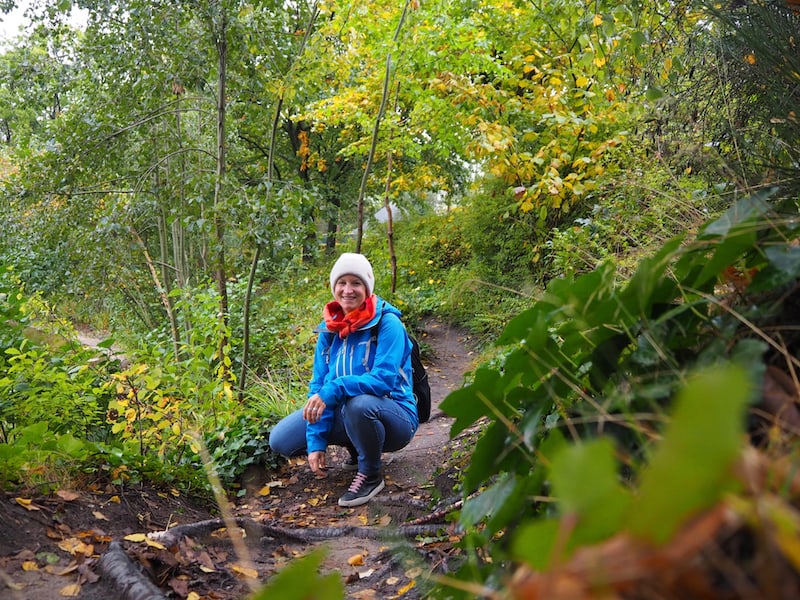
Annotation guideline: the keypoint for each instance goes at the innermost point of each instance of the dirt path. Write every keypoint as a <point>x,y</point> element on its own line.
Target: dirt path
<point>53,551</point>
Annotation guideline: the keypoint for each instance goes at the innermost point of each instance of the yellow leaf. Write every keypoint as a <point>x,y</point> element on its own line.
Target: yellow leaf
<point>72,590</point>
<point>30,565</point>
<point>363,518</point>
<point>135,537</point>
<point>599,62</point>
<point>27,504</point>
<point>245,571</point>
<point>598,20</point>
<point>193,596</point>
<point>155,544</point>
<point>582,81</point>
<point>264,491</point>
<point>114,499</point>
<point>356,560</point>
<point>406,588</point>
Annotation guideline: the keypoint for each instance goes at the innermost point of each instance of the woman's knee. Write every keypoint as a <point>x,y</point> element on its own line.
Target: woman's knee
<point>288,437</point>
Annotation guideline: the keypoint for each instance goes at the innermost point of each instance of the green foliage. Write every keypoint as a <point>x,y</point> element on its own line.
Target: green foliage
<point>598,358</point>
<point>34,456</point>
<point>690,470</point>
<point>300,580</point>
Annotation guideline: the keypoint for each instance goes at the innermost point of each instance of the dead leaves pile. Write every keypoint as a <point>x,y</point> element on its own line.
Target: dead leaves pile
<point>80,546</point>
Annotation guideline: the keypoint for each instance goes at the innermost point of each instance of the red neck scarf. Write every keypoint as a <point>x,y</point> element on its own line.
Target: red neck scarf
<point>345,324</point>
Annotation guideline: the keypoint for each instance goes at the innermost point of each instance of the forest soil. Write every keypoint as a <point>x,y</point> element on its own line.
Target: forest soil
<point>51,545</point>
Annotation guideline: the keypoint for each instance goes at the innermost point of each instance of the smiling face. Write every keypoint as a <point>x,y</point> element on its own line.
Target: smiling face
<point>350,292</point>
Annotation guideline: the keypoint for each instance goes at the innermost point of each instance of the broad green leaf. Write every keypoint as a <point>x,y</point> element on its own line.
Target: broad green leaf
<point>533,543</point>
<point>300,580</point>
<point>470,403</point>
<point>741,213</point>
<point>586,483</point>
<point>690,468</point>
<point>483,505</point>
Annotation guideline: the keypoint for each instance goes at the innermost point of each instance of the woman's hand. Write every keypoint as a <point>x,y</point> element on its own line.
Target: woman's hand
<point>318,463</point>
<point>313,409</point>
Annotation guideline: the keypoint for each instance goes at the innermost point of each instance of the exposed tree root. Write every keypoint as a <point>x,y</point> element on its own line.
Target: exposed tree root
<point>123,574</point>
<point>256,530</point>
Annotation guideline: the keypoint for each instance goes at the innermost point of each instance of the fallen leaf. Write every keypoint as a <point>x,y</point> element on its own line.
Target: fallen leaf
<point>193,596</point>
<point>67,495</point>
<point>115,499</point>
<point>155,544</point>
<point>69,569</point>
<point>30,565</point>
<point>264,491</point>
<point>366,574</point>
<point>50,558</point>
<point>385,520</point>
<point>86,575</point>
<point>406,588</point>
<point>27,504</point>
<point>99,516</point>
<point>393,581</point>
<point>363,519</point>
<point>72,590</point>
<point>413,573</point>
<point>245,571</point>
<point>364,595</point>
<point>135,537</point>
<point>356,560</point>
<point>205,562</point>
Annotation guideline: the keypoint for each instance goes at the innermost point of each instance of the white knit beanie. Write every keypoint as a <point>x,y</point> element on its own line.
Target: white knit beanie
<point>350,263</point>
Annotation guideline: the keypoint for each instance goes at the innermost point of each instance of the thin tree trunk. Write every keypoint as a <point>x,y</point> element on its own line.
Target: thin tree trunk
<point>219,223</point>
<point>161,289</point>
<point>270,177</point>
<point>384,97</point>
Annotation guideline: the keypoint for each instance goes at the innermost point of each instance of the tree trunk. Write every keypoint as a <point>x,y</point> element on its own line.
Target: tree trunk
<point>221,32</point>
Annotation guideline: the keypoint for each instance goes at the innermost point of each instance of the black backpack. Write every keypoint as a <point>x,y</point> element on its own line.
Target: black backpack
<point>422,389</point>
<point>419,376</point>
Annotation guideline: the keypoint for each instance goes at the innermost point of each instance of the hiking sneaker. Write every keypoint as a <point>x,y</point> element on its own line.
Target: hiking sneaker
<point>351,462</point>
<point>362,490</point>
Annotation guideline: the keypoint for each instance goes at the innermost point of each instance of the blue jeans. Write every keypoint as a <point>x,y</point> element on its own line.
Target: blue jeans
<point>365,425</point>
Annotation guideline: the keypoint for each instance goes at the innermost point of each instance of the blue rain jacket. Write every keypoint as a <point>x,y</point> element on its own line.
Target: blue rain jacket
<point>351,366</point>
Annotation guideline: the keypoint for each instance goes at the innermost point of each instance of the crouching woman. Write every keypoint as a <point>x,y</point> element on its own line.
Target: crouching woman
<point>360,395</point>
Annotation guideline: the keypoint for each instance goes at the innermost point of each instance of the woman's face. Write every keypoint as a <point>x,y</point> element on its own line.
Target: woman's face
<point>350,292</point>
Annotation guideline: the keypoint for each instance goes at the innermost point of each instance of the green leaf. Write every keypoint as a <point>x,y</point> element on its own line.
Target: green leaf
<point>470,403</point>
<point>690,469</point>
<point>585,480</point>
<point>741,213</point>
<point>299,580</point>
<point>533,543</point>
<point>487,502</point>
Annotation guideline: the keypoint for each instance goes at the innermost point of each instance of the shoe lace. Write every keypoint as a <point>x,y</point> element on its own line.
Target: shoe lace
<point>358,481</point>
